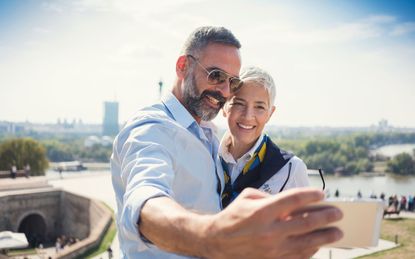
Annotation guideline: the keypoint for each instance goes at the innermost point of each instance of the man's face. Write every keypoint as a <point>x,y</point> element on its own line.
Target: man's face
<point>204,100</point>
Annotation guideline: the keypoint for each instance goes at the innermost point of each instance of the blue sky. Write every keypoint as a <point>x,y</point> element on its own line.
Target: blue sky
<point>336,63</point>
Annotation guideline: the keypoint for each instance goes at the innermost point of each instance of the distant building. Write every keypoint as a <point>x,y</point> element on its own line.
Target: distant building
<point>95,140</point>
<point>110,123</point>
<point>383,125</point>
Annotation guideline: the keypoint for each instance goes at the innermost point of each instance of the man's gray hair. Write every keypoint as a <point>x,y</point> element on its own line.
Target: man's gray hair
<point>202,36</point>
<point>262,78</point>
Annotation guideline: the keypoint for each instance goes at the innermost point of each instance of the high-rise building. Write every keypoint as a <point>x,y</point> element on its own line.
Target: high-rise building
<point>110,123</point>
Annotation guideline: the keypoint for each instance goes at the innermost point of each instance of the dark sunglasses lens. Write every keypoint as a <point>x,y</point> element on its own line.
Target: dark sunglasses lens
<point>217,77</point>
<point>235,84</point>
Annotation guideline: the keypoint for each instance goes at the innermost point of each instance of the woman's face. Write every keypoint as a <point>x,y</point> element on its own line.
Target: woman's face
<point>247,112</point>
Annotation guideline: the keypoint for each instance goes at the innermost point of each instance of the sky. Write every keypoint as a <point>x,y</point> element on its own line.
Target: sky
<point>335,63</point>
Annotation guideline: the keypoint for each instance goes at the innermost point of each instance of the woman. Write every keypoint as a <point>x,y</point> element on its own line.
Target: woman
<point>249,157</point>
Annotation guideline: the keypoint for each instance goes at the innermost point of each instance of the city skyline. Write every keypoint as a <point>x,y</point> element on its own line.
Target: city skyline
<point>342,63</point>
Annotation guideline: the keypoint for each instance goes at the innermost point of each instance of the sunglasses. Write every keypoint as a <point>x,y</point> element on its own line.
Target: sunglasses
<point>217,77</point>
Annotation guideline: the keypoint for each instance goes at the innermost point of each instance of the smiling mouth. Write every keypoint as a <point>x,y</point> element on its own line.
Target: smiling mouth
<point>247,127</point>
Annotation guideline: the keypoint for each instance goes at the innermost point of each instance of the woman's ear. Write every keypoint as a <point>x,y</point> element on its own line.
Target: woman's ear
<point>181,67</point>
<point>272,112</point>
<point>225,110</point>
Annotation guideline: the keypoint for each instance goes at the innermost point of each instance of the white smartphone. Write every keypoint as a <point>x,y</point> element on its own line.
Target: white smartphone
<point>361,221</point>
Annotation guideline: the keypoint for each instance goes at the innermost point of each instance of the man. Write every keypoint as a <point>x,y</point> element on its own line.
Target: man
<point>168,181</point>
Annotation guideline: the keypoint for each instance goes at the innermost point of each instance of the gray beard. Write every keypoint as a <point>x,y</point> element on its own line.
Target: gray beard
<point>193,100</point>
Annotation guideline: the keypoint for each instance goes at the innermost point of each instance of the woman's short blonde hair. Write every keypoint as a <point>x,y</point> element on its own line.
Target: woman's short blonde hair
<point>261,77</point>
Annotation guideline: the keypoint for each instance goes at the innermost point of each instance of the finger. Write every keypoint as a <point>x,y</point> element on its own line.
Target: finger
<point>315,239</point>
<point>286,202</point>
<point>310,208</point>
<point>308,221</point>
<point>252,193</point>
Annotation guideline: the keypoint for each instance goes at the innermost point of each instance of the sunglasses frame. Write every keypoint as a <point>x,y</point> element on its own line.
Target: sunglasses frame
<point>209,73</point>
<point>320,171</point>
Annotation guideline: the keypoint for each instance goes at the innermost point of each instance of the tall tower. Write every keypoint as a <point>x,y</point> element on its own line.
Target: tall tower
<point>110,122</point>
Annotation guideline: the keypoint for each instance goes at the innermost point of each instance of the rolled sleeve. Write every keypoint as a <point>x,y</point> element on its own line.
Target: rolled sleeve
<point>131,214</point>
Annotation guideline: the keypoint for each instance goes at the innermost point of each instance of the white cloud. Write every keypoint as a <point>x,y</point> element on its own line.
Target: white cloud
<point>367,28</point>
<point>56,7</point>
<point>403,28</point>
<point>325,71</point>
<point>380,19</point>
<point>40,30</point>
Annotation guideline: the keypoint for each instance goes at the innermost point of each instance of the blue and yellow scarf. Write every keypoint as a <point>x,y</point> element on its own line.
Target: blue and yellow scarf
<point>266,161</point>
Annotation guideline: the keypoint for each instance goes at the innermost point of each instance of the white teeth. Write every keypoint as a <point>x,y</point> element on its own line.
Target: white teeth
<point>212,100</point>
<point>245,126</point>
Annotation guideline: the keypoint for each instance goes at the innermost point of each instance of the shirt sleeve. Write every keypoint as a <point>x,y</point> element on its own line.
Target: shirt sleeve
<point>300,176</point>
<point>146,168</point>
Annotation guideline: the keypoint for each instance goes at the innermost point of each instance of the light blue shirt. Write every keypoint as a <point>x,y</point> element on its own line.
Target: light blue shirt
<point>162,151</point>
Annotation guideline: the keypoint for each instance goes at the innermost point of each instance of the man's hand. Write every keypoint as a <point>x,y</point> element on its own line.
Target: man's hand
<point>258,225</point>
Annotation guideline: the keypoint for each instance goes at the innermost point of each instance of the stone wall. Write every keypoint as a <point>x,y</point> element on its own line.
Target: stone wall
<point>64,213</point>
<point>100,220</point>
<point>75,215</point>
<point>14,208</point>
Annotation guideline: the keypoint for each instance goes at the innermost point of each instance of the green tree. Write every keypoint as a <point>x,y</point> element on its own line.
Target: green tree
<point>23,151</point>
<point>402,164</point>
<point>58,152</point>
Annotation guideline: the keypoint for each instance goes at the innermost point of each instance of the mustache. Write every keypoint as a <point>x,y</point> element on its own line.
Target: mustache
<point>217,95</point>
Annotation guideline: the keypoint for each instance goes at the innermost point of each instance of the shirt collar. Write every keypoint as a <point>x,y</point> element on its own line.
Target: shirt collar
<point>178,111</point>
<point>205,130</point>
<point>227,156</point>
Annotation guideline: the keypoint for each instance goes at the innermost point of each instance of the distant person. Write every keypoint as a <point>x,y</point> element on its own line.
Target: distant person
<point>382,196</point>
<point>248,156</point>
<point>109,250</point>
<point>57,245</point>
<point>403,202</point>
<point>395,202</point>
<point>359,194</point>
<point>27,170</point>
<point>390,201</point>
<point>337,193</point>
<point>410,203</point>
<point>13,171</point>
<point>60,172</point>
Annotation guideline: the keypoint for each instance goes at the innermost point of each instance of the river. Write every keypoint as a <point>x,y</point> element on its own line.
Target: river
<point>393,150</point>
<point>347,185</point>
<point>350,185</point>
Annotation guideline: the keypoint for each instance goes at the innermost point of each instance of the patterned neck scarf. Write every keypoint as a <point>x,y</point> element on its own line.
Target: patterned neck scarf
<point>230,192</point>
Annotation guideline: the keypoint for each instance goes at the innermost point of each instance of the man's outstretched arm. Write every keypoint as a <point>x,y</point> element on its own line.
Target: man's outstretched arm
<point>254,225</point>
